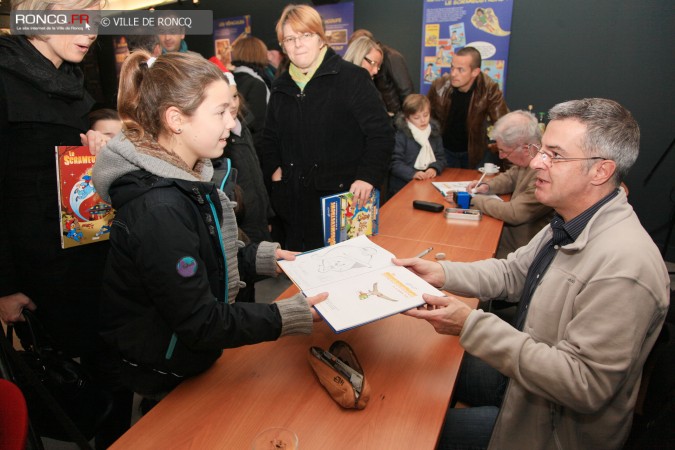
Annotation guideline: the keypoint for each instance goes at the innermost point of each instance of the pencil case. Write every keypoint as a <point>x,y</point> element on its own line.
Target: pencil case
<point>340,373</point>
<point>462,214</point>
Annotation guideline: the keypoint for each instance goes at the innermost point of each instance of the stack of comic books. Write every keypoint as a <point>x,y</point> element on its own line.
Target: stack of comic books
<point>343,220</point>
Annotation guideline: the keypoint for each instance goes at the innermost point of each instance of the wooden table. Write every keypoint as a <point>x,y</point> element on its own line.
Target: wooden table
<point>407,248</point>
<point>411,370</point>
<point>398,218</point>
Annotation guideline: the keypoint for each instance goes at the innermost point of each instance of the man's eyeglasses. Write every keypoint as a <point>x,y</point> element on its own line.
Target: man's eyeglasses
<point>375,64</point>
<point>507,153</point>
<point>549,157</point>
<point>292,40</point>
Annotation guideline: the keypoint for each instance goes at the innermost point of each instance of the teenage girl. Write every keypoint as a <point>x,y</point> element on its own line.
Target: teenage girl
<point>175,262</point>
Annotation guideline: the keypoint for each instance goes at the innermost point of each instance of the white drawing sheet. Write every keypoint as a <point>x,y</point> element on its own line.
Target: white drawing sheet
<point>447,187</point>
<point>362,282</point>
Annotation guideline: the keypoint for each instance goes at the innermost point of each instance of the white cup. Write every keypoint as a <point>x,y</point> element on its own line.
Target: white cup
<point>490,168</point>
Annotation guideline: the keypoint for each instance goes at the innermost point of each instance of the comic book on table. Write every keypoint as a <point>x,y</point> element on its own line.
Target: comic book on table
<point>342,220</point>
<point>85,217</point>
<point>362,282</point>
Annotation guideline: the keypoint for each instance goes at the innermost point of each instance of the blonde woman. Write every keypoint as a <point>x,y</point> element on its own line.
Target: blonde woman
<point>43,103</point>
<point>366,53</point>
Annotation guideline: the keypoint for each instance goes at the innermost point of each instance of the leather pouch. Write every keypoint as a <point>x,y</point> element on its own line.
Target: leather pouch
<point>341,374</point>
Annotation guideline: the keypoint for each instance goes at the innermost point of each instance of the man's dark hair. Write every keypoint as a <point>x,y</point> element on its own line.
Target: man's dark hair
<point>143,42</point>
<point>476,59</point>
<point>102,114</point>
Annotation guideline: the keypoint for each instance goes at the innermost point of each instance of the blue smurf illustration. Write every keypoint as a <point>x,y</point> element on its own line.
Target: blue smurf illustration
<point>81,191</point>
<point>84,188</point>
<point>73,231</point>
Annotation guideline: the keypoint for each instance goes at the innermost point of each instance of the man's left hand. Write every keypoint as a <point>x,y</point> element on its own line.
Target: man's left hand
<point>446,314</point>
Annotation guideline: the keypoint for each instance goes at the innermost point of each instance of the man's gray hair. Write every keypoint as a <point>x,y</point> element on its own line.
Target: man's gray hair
<point>611,131</point>
<point>517,128</point>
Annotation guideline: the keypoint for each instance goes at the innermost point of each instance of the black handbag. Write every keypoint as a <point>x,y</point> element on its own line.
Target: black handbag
<point>55,386</point>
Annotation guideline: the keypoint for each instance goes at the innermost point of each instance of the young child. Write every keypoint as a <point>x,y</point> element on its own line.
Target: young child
<point>253,208</point>
<point>418,151</point>
<point>106,121</point>
<point>242,154</point>
<point>174,265</point>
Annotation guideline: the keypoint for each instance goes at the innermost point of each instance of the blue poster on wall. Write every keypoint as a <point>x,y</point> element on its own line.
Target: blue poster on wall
<point>225,32</point>
<point>449,25</point>
<point>339,22</point>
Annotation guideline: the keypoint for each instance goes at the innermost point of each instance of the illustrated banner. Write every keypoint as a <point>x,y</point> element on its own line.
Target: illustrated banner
<point>449,25</point>
<point>226,31</point>
<point>339,22</point>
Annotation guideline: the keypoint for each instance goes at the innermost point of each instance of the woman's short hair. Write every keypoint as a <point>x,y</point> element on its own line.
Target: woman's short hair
<point>249,50</point>
<point>303,19</point>
<point>414,103</point>
<point>359,48</point>
<point>42,5</point>
<point>360,33</point>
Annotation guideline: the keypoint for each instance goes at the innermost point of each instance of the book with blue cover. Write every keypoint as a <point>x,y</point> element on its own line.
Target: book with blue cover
<point>342,220</point>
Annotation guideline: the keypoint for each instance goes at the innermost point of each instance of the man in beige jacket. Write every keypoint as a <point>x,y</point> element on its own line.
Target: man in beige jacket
<point>592,293</point>
<point>523,215</point>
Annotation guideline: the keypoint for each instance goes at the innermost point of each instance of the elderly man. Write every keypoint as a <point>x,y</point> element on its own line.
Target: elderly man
<point>523,215</point>
<point>592,291</point>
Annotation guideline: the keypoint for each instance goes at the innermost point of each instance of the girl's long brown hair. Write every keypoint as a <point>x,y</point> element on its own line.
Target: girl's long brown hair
<point>145,93</point>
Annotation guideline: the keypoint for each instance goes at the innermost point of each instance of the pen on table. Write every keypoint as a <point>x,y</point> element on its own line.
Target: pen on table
<point>419,255</point>
<point>473,191</point>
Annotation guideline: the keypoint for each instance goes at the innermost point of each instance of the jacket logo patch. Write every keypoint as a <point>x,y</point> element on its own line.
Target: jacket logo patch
<point>186,267</point>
